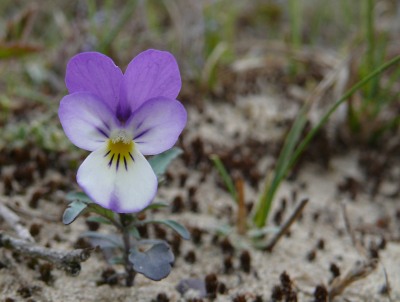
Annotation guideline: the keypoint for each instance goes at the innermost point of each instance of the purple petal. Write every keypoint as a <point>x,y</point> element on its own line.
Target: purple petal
<point>96,73</point>
<point>151,74</point>
<point>156,125</point>
<point>127,189</point>
<point>87,120</point>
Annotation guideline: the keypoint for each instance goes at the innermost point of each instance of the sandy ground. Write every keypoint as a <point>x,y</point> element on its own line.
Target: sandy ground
<point>322,219</point>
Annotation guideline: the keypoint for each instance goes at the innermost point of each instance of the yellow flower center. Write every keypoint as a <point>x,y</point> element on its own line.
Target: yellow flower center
<point>119,150</point>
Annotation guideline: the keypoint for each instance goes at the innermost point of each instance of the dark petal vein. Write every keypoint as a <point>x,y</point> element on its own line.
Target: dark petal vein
<point>111,160</point>
<point>141,134</point>
<point>102,132</point>
<point>131,156</point>
<point>118,160</point>
<point>107,153</point>
<point>126,165</point>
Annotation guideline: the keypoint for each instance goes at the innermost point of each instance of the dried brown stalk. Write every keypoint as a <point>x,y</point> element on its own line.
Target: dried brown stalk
<point>242,210</point>
<point>285,228</point>
<point>68,260</point>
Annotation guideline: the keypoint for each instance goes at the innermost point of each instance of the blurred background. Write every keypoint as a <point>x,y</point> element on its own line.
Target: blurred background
<point>300,51</point>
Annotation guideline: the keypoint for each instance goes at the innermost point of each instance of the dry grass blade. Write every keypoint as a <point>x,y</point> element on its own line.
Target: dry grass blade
<point>360,270</point>
<point>351,232</point>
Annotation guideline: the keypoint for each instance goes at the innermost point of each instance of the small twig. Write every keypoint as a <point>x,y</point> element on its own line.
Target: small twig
<point>13,221</point>
<point>357,244</point>
<point>242,210</point>
<point>285,228</point>
<point>69,260</point>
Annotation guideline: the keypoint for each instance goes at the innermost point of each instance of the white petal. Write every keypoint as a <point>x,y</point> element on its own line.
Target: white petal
<point>118,178</point>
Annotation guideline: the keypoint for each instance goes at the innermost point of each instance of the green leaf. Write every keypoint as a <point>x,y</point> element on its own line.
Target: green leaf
<point>81,205</point>
<point>134,232</point>
<point>225,176</point>
<point>98,219</point>
<point>160,162</point>
<point>176,226</point>
<point>292,139</point>
<point>116,260</point>
<point>155,205</point>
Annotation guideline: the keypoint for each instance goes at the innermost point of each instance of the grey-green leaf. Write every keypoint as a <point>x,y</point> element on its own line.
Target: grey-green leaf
<point>155,263</point>
<point>176,226</point>
<point>160,162</point>
<point>73,211</point>
<point>82,196</point>
<point>104,241</point>
<point>82,204</point>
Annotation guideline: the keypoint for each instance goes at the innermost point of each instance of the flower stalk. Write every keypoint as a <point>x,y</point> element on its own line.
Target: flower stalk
<point>126,238</point>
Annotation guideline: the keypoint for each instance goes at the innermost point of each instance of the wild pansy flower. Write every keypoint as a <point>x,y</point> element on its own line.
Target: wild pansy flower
<point>121,118</point>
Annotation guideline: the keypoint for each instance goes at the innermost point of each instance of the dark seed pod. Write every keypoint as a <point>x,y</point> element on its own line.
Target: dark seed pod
<point>176,244</point>
<point>34,202</point>
<point>228,264</point>
<point>193,205</point>
<point>245,261</point>
<point>162,297</point>
<point>311,255</point>
<point>35,229</point>
<point>321,244</point>
<point>239,298</point>
<point>222,288</point>
<point>227,247</point>
<point>190,257</point>
<point>211,285</point>
<point>45,273</point>
<point>160,232</point>
<point>196,235</point>
<point>335,270</point>
<point>177,204</point>
<point>321,293</point>
<point>108,276</point>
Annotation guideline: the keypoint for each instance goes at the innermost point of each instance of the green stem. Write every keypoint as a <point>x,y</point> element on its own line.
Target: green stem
<point>126,236</point>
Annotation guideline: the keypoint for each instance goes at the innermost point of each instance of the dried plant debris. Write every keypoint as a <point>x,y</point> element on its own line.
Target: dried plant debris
<point>359,271</point>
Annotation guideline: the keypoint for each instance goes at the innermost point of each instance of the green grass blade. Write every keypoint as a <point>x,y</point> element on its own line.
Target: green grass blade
<point>225,176</point>
<point>286,159</point>
<point>265,202</point>
<point>112,34</point>
<point>314,131</point>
